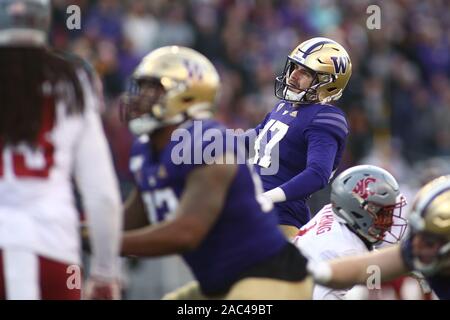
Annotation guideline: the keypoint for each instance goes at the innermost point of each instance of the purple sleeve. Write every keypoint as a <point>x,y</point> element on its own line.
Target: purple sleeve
<point>322,148</point>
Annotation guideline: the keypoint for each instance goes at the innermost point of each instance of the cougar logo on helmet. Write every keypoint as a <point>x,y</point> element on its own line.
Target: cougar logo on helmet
<point>369,200</point>
<point>362,187</point>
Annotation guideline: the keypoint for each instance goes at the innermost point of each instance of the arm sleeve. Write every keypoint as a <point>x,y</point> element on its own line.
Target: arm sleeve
<point>325,136</point>
<point>322,148</point>
<point>98,185</point>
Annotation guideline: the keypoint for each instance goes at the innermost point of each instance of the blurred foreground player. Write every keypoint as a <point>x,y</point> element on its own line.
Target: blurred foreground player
<point>426,249</point>
<point>50,131</point>
<point>365,211</point>
<point>199,201</point>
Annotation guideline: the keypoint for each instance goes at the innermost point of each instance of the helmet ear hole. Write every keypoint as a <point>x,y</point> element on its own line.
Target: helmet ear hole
<point>356,214</point>
<point>188,99</point>
<point>323,78</point>
<point>346,180</point>
<point>331,89</point>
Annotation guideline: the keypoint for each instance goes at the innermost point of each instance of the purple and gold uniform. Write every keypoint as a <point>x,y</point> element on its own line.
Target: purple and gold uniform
<point>242,236</point>
<point>298,148</point>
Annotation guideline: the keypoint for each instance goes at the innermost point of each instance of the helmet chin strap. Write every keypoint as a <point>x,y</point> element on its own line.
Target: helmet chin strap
<point>371,239</point>
<point>291,95</point>
<point>349,221</point>
<point>199,111</point>
<point>333,97</point>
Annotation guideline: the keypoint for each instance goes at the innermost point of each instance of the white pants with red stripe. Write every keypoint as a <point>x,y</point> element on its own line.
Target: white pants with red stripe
<point>27,276</point>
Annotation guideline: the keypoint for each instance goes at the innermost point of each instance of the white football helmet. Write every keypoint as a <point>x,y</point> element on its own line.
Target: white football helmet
<point>368,199</point>
<point>24,22</point>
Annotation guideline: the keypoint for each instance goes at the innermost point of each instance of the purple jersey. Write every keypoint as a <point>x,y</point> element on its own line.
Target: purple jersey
<point>242,236</point>
<point>298,149</point>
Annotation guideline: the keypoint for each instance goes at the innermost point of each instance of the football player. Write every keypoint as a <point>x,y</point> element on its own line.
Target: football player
<point>50,131</point>
<point>365,211</point>
<point>207,210</point>
<point>300,142</point>
<point>426,249</point>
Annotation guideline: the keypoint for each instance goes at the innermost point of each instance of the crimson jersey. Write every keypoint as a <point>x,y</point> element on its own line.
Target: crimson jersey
<point>327,237</point>
<point>37,206</point>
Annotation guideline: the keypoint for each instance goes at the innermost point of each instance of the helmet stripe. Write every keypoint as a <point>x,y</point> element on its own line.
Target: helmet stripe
<point>432,194</point>
<point>332,115</point>
<point>335,123</point>
<point>313,46</point>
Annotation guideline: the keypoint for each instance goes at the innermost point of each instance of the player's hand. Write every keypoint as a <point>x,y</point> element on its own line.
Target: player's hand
<point>276,195</point>
<point>320,271</point>
<point>265,202</point>
<point>99,289</point>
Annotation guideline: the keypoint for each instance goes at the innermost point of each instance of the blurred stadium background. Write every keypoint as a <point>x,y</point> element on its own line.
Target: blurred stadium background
<point>397,101</point>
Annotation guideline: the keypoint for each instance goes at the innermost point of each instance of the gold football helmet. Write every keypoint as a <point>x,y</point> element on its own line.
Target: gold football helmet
<point>430,224</point>
<point>327,61</point>
<point>169,86</point>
